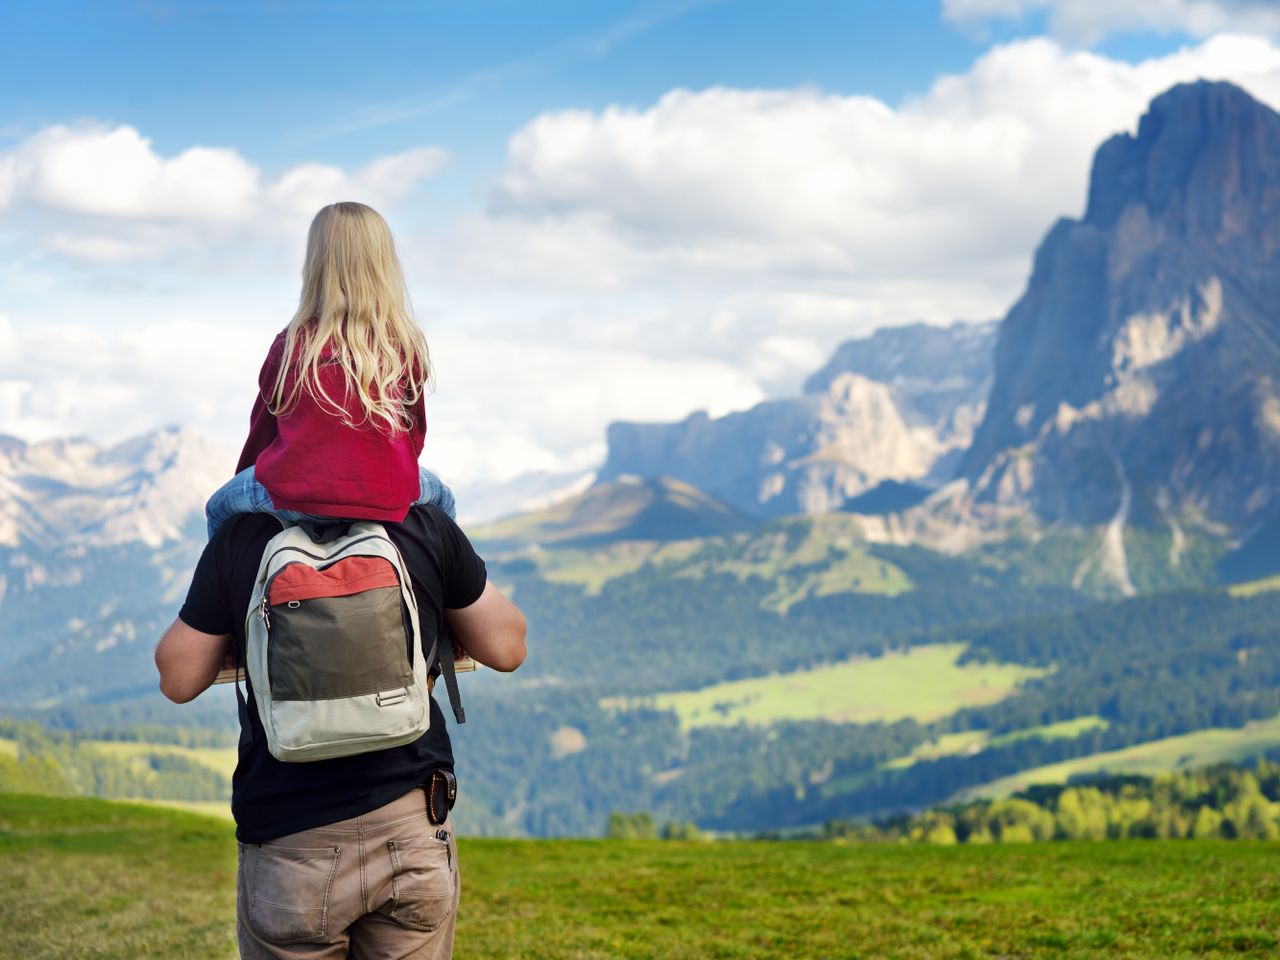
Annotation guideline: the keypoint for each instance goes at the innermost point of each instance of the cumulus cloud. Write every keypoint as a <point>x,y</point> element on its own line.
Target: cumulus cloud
<point>1087,21</point>
<point>503,408</point>
<point>110,384</point>
<point>103,194</point>
<point>802,187</point>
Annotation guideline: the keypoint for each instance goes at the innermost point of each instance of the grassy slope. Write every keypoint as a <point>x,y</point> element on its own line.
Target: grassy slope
<point>971,741</point>
<point>219,759</point>
<point>924,683</point>
<point>1197,749</point>
<point>800,557</point>
<point>89,879</point>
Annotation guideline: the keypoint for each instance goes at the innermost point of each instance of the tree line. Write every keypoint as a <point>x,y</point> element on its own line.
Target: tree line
<point>1222,802</point>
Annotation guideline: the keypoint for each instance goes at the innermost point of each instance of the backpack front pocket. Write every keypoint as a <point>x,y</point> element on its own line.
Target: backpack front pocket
<point>337,633</point>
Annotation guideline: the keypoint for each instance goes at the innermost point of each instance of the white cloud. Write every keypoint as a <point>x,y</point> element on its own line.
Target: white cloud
<point>1087,21</point>
<point>109,384</point>
<point>801,189</point>
<point>104,195</point>
<point>503,408</point>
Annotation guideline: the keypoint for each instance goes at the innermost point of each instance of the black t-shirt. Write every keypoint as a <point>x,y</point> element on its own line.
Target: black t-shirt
<point>270,798</point>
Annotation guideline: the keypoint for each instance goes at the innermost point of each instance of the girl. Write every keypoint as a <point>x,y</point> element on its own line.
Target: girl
<point>338,423</point>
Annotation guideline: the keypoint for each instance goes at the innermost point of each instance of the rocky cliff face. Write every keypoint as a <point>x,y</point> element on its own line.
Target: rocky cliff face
<point>891,406</point>
<point>1140,372</point>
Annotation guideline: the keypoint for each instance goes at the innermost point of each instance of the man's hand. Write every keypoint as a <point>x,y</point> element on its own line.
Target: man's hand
<point>189,661</point>
<point>491,630</point>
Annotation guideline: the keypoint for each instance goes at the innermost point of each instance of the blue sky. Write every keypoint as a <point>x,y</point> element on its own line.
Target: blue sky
<point>614,210</point>
<point>286,82</point>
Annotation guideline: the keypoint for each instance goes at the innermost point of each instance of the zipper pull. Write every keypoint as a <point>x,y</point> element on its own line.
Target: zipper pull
<point>263,614</point>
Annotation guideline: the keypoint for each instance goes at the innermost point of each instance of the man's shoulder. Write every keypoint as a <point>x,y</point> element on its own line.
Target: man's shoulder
<point>424,522</point>
<point>245,534</point>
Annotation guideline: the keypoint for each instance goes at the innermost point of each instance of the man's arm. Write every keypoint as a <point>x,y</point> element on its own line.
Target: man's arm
<point>189,661</point>
<point>491,630</point>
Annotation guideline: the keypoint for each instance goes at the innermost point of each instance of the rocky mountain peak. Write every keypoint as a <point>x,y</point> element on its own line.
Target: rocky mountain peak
<point>1144,355</point>
<point>1202,158</point>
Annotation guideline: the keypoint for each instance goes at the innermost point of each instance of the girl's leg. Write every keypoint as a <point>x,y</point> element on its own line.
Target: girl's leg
<point>434,491</point>
<point>241,494</point>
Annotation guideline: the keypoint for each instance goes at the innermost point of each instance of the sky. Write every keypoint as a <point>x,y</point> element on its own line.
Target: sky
<point>606,211</point>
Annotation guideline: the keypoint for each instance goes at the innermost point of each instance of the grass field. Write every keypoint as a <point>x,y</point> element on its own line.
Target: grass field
<point>924,682</point>
<point>220,759</point>
<point>91,879</point>
<point>971,741</point>
<point>1197,749</point>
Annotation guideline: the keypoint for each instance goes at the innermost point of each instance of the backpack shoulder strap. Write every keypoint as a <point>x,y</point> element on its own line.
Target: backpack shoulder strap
<point>444,657</point>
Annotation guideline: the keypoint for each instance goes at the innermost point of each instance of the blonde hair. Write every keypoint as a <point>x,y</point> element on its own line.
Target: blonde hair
<point>354,301</point>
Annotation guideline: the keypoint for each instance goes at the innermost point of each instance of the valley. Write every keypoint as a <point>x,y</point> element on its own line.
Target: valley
<point>962,560</point>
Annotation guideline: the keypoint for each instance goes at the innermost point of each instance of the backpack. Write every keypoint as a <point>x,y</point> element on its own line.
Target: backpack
<point>333,646</point>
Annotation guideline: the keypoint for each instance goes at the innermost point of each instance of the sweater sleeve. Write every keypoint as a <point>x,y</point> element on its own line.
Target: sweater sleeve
<point>262,422</point>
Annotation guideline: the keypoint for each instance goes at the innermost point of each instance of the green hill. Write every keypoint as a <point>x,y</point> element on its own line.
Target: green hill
<point>625,509</point>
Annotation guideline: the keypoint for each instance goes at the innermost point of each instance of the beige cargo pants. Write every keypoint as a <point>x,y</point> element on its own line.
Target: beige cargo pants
<point>383,885</point>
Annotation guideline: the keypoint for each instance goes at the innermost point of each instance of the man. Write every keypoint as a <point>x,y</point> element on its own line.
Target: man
<point>350,856</point>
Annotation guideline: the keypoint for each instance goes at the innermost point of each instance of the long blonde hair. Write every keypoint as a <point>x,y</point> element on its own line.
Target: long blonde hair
<point>354,301</point>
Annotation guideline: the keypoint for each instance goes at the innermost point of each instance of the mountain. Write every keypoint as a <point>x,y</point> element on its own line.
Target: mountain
<point>75,494</point>
<point>628,508</point>
<point>891,406</point>
<point>938,377</point>
<point>96,550</point>
<point>1138,377</point>
<point>484,501</point>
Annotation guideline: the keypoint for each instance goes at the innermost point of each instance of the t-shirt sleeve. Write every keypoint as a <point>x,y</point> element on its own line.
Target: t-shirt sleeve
<point>206,607</point>
<point>464,574</point>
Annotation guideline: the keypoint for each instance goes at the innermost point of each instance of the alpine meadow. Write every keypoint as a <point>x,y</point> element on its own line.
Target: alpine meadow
<point>928,635</point>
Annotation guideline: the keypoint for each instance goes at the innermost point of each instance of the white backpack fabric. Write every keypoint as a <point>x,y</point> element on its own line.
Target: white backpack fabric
<point>333,646</point>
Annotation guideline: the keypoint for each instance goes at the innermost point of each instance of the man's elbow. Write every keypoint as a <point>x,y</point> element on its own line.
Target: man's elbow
<point>177,693</point>
<point>514,650</point>
<point>172,685</point>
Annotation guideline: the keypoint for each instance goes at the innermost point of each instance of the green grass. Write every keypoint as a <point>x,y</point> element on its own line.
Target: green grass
<point>1202,748</point>
<point>924,683</point>
<point>219,759</point>
<point>92,879</point>
<point>593,900</point>
<point>8,748</point>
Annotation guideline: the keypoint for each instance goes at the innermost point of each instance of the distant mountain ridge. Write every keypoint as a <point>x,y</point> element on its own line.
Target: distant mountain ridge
<point>897,405</point>
<point>76,494</point>
<point>1139,374</point>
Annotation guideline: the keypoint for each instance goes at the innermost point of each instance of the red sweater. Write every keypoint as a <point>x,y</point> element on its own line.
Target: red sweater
<point>311,461</point>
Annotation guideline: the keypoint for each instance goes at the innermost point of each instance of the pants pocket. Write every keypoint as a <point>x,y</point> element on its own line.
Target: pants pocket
<point>424,884</point>
<point>288,890</point>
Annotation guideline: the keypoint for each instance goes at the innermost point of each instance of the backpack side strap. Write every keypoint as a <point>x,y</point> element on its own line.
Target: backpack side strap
<point>444,657</point>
